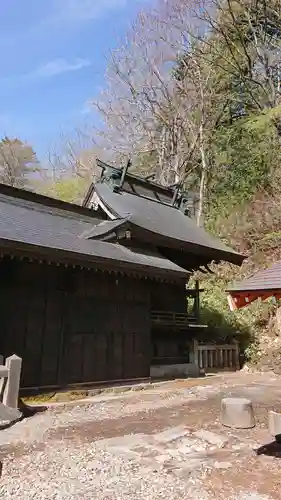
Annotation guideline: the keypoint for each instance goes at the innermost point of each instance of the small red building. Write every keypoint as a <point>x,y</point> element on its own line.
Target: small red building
<point>261,285</point>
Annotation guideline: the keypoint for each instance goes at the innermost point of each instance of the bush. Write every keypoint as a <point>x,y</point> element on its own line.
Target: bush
<point>245,325</point>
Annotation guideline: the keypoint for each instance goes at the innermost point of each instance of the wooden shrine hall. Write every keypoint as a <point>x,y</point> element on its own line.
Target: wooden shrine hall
<point>99,292</point>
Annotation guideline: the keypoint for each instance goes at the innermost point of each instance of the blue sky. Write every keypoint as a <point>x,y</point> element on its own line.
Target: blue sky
<point>53,62</point>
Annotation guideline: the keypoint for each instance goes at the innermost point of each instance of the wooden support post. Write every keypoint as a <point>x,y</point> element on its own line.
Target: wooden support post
<point>221,358</point>
<point>237,355</point>
<point>11,390</point>
<point>197,301</point>
<point>212,359</point>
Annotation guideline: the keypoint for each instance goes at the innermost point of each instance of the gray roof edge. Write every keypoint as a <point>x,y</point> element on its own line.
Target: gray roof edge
<point>108,227</point>
<point>88,195</point>
<point>253,289</point>
<point>41,199</point>
<point>62,255</point>
<point>236,257</point>
<point>113,212</point>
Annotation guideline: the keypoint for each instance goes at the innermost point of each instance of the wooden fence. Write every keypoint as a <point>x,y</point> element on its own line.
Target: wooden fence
<point>213,358</point>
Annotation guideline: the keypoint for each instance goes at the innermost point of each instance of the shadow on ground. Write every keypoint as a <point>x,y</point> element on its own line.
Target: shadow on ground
<point>26,412</point>
<point>272,449</point>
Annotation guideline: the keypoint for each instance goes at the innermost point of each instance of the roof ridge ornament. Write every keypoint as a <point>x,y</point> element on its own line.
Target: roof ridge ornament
<point>117,178</point>
<point>124,171</point>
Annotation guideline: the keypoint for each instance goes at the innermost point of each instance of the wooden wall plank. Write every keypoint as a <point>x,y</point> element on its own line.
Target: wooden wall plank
<point>53,331</point>
<point>75,326</point>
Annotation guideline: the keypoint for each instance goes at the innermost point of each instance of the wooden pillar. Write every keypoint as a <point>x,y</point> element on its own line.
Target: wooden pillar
<point>197,301</point>
<point>237,355</point>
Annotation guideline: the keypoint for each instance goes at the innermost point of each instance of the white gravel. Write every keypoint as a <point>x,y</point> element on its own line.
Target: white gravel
<point>63,469</point>
<point>251,496</point>
<point>63,472</point>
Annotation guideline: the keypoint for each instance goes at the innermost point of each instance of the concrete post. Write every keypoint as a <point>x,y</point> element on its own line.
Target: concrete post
<point>195,352</point>
<point>11,390</point>
<point>274,425</point>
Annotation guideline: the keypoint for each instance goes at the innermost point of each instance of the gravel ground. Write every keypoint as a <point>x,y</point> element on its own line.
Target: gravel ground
<point>102,408</point>
<point>114,447</point>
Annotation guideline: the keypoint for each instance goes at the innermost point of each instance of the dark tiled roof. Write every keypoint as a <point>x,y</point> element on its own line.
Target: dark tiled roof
<point>138,186</point>
<point>30,224</point>
<point>47,201</point>
<point>104,228</point>
<point>166,221</point>
<point>265,280</point>
<point>18,215</point>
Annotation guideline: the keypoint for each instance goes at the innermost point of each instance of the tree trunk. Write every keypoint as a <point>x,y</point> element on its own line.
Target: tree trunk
<point>203,179</point>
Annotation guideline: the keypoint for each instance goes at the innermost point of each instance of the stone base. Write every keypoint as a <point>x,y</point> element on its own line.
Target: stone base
<point>237,413</point>
<point>274,424</point>
<point>180,370</point>
<point>8,415</point>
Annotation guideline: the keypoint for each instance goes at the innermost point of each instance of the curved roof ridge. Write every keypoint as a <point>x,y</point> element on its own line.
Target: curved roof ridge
<point>167,222</point>
<point>104,228</point>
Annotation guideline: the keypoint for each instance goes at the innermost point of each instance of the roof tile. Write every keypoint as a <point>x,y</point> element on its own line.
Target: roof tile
<point>30,223</point>
<point>266,279</point>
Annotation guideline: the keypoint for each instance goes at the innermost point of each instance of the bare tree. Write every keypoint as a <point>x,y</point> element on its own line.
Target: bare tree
<point>147,108</point>
<point>75,156</point>
<point>138,106</point>
<point>196,88</point>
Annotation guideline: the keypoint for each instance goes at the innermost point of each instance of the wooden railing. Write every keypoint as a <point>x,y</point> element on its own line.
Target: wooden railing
<point>172,319</point>
<point>211,357</point>
<point>180,320</point>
